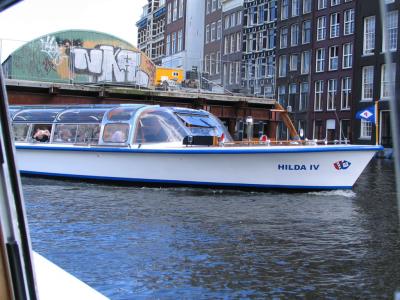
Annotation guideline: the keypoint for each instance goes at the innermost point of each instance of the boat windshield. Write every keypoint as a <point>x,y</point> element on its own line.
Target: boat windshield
<point>158,126</point>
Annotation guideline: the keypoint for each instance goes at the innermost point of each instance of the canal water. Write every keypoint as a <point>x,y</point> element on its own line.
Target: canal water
<point>184,243</point>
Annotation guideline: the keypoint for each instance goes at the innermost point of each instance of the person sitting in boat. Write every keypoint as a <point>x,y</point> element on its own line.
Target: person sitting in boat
<point>42,135</point>
<point>118,137</point>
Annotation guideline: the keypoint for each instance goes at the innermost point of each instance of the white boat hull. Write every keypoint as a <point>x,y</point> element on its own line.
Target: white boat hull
<point>291,167</point>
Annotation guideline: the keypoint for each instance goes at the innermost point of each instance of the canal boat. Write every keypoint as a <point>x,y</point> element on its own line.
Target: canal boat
<point>146,144</point>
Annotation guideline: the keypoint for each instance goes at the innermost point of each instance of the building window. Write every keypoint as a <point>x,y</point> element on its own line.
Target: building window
<point>271,38</point>
<point>304,88</point>
<point>346,93</point>
<point>207,33</point>
<point>231,73</point>
<point>219,30</point>
<point>180,40</point>
<point>284,9</point>
<point>318,130</point>
<point>345,129</point>
<point>168,45</point>
<point>333,58</point>
<point>292,94</point>
<point>306,6</point>
<point>295,8</point>
<point>282,66</point>
<point>349,22</point>
<point>226,75</point>
<point>173,46</point>
<point>369,35</point>
<point>321,28</point>
<point>319,90</point>
<point>226,45</point>
<point>239,17</point>
<point>282,95</point>
<point>365,129</point>
<point>218,63</point>
<point>335,2</point>
<point>237,73</point>
<point>180,9</point>
<point>271,10</point>
<point>233,20</point>
<point>322,4</point>
<point>306,32</point>
<point>347,56</point>
<point>391,31</point>
<point>284,37</point>
<point>367,83</point>
<point>175,10</point>
<point>294,35</point>
<point>320,60</point>
<point>238,42</point>
<point>208,6</point>
<point>332,88</point>
<point>294,58</point>
<point>335,25</point>
<point>226,22</point>
<point>233,43</point>
<point>213,32</point>
<point>305,62</point>
<point>169,14</point>
<point>213,5</point>
<point>212,64</point>
<point>388,74</point>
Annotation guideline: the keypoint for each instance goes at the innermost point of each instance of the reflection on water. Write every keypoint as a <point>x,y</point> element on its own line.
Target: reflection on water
<point>174,243</point>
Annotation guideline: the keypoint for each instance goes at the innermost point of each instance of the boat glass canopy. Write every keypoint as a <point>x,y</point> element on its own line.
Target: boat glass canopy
<point>37,115</point>
<point>123,113</point>
<point>113,124</point>
<point>85,115</point>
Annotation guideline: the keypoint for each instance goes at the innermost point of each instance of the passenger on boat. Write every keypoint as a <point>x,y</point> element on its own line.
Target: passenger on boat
<point>66,135</point>
<point>118,137</point>
<point>42,135</point>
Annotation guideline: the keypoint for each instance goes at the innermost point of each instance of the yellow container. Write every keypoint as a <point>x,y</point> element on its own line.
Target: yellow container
<point>166,74</point>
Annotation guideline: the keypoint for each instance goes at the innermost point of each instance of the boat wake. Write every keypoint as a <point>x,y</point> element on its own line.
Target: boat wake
<point>340,193</point>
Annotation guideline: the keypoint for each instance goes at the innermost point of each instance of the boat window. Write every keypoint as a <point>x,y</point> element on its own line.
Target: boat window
<point>88,133</point>
<point>65,133</point>
<point>82,116</point>
<point>20,132</point>
<point>76,133</point>
<point>116,133</point>
<point>41,133</point>
<point>37,115</point>
<point>122,113</point>
<point>158,126</point>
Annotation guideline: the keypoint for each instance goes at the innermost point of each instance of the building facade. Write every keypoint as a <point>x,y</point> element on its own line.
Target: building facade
<point>231,47</point>
<point>184,35</point>
<point>212,44</point>
<point>330,113</point>
<point>259,41</point>
<point>151,27</point>
<point>294,52</point>
<point>374,76</point>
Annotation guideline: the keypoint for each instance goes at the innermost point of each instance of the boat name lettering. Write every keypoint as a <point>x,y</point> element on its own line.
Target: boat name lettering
<point>286,167</point>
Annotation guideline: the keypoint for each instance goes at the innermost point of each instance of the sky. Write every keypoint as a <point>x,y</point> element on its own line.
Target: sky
<point>31,19</point>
